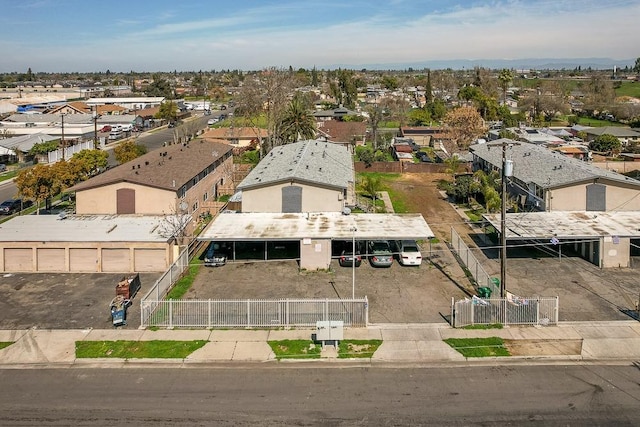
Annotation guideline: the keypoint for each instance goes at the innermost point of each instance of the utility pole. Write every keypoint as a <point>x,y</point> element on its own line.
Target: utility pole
<point>95,127</point>
<point>507,171</point>
<point>64,146</point>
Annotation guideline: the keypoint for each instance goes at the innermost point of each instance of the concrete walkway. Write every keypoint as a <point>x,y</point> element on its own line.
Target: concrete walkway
<point>420,344</point>
<point>388,206</point>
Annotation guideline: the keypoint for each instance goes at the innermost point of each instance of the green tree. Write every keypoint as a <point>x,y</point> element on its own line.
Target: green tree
<point>159,87</point>
<point>606,144</point>
<point>453,164</point>
<point>371,185</point>
<point>364,153</point>
<point>37,183</point>
<point>128,151</point>
<point>428,90</point>
<point>41,148</point>
<point>89,162</point>
<point>297,122</point>
<point>168,111</point>
<point>636,66</point>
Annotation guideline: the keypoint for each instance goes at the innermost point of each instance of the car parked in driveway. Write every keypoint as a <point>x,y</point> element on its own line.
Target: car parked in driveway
<point>11,206</point>
<point>408,252</point>
<point>380,254</point>
<point>347,259</point>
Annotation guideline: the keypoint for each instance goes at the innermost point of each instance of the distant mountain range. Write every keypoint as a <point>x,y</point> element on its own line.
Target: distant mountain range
<point>517,64</point>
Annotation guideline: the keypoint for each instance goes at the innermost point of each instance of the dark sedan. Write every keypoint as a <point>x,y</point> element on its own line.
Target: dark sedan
<point>346,258</point>
<point>11,206</point>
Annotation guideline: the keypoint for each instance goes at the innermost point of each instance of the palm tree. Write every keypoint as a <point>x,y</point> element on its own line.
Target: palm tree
<point>505,78</point>
<point>297,122</point>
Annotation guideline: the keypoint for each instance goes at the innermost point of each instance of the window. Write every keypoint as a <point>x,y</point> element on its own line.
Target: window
<point>205,196</point>
<point>194,207</point>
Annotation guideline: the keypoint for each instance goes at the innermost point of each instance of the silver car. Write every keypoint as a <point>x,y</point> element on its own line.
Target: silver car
<point>380,254</point>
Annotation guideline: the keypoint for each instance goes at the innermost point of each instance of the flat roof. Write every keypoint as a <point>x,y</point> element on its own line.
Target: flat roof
<point>573,224</point>
<point>328,225</point>
<point>84,228</point>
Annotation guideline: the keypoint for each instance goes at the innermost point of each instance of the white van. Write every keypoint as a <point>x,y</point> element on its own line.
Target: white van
<point>115,134</point>
<point>127,128</point>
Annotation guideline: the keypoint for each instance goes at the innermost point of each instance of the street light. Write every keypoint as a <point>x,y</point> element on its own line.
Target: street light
<point>353,262</point>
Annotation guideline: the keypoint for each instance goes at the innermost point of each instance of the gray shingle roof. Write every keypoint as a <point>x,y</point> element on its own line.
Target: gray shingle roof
<point>312,161</point>
<point>545,168</point>
<point>25,143</point>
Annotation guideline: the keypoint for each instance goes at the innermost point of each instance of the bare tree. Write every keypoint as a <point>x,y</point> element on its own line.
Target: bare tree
<point>174,225</point>
<point>265,96</point>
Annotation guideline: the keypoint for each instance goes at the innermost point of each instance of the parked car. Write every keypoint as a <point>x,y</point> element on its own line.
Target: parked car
<point>212,121</point>
<point>106,129</point>
<point>11,206</point>
<point>171,124</point>
<point>408,252</point>
<point>115,134</point>
<point>380,254</point>
<point>346,258</point>
<point>3,167</point>
<point>213,257</point>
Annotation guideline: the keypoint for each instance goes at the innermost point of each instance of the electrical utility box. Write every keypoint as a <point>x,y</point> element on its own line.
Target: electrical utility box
<point>329,330</point>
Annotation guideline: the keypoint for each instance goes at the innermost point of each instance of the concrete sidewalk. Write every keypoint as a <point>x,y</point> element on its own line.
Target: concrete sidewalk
<point>402,344</point>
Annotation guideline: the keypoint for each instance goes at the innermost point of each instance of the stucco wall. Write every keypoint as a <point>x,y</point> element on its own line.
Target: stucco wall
<point>615,254</point>
<point>575,198</point>
<point>314,199</point>
<point>315,254</point>
<point>102,200</point>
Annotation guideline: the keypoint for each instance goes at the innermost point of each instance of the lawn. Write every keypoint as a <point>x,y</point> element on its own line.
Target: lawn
<point>629,89</point>
<point>479,347</point>
<point>398,200</point>
<point>137,349</point>
<point>4,344</point>
<point>295,349</point>
<point>349,349</point>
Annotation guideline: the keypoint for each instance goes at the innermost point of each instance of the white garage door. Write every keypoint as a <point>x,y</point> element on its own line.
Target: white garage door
<point>50,259</point>
<point>116,260</point>
<point>18,259</point>
<point>83,260</point>
<point>150,260</point>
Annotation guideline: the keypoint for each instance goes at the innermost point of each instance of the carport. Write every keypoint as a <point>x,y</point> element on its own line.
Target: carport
<point>606,239</point>
<point>306,236</point>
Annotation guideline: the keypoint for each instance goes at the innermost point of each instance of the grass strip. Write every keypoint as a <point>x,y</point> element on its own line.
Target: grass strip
<point>295,349</point>
<point>155,349</point>
<point>479,347</point>
<point>349,349</point>
<point>184,283</point>
<point>4,344</point>
<point>490,326</point>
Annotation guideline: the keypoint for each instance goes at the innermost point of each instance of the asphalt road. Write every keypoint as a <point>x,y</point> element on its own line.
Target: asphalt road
<point>284,394</point>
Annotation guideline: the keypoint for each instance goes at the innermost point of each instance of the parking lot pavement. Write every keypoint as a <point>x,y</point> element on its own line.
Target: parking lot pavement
<point>585,291</point>
<point>64,300</point>
<point>396,295</point>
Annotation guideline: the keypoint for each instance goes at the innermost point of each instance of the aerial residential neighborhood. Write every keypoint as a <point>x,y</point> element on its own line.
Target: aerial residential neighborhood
<point>323,214</point>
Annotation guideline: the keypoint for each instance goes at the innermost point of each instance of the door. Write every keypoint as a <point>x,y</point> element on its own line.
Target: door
<point>51,259</point>
<point>116,260</point>
<point>125,201</point>
<point>149,260</point>
<point>83,260</point>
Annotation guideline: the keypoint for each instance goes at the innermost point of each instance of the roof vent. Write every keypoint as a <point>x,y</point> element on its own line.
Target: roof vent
<point>133,166</point>
<point>146,163</point>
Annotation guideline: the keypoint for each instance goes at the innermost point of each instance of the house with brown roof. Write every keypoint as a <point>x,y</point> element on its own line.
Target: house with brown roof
<point>425,136</point>
<point>343,132</point>
<point>177,179</point>
<point>237,136</point>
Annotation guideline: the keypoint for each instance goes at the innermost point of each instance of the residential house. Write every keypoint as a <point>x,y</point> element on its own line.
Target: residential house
<point>237,137</point>
<point>306,176</point>
<point>339,132</point>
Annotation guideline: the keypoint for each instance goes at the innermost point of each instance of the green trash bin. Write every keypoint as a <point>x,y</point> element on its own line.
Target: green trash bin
<point>484,292</point>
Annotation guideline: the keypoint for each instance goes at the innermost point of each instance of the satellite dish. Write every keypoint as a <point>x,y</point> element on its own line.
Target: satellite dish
<point>183,206</point>
<point>346,211</point>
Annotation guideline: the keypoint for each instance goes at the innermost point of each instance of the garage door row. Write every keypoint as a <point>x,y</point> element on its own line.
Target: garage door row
<point>84,259</point>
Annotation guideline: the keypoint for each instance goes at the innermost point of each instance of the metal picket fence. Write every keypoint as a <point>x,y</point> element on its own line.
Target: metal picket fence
<point>505,311</point>
<point>472,264</point>
<point>248,313</point>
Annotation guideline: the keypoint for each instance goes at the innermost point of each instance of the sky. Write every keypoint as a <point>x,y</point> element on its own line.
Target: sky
<point>186,35</point>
